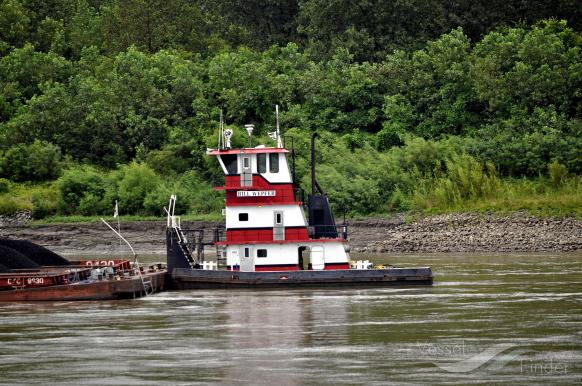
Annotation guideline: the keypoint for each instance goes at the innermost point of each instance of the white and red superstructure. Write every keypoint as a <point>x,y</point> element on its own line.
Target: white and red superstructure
<point>268,241</point>
<point>266,227</point>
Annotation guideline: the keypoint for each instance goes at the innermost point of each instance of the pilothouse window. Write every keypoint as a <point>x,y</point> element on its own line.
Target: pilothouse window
<point>274,163</point>
<point>262,163</point>
<point>229,162</point>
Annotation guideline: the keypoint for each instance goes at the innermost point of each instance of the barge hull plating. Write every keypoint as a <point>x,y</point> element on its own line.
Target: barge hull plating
<point>183,278</point>
<point>102,290</point>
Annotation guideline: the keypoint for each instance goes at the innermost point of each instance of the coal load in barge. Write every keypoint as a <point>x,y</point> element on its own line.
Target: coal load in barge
<point>12,259</point>
<point>39,254</point>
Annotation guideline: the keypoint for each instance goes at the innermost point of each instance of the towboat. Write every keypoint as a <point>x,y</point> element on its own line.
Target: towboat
<point>268,241</point>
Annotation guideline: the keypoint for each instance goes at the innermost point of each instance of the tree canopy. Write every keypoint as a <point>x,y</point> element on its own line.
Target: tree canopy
<point>116,85</point>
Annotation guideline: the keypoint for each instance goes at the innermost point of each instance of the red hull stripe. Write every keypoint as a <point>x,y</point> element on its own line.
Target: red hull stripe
<point>330,266</point>
<point>294,267</point>
<point>270,268</point>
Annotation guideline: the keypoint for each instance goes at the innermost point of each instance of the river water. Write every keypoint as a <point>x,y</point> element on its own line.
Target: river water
<point>486,319</point>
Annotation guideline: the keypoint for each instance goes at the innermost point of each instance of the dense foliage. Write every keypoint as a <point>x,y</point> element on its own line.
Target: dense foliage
<point>419,104</point>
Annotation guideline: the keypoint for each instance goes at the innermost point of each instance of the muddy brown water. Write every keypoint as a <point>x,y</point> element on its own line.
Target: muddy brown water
<point>486,320</point>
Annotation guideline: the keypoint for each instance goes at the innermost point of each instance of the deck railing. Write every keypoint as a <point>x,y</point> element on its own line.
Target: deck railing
<point>204,236</point>
<point>328,232</point>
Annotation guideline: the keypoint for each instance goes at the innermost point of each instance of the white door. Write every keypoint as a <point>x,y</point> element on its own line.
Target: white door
<point>234,258</point>
<point>279,226</point>
<point>317,257</point>
<point>247,261</point>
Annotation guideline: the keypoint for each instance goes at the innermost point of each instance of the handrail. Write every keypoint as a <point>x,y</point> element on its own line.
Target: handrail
<point>144,283</point>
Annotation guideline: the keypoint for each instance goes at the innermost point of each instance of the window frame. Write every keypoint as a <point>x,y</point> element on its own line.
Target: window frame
<point>246,162</point>
<point>274,166</point>
<point>261,163</point>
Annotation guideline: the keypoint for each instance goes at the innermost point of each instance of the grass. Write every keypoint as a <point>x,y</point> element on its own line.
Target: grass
<point>537,197</point>
<point>540,197</point>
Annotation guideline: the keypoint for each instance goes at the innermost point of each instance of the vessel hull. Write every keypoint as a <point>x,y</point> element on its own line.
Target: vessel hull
<point>101,290</point>
<point>184,278</point>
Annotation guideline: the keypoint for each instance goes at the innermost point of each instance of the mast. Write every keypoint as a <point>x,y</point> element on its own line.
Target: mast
<point>278,133</point>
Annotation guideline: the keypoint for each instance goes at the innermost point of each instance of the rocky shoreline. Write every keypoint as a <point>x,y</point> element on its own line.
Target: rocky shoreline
<point>465,232</point>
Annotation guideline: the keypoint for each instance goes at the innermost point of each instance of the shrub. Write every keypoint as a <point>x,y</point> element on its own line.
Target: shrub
<point>558,173</point>
<point>9,205</point>
<point>172,159</point>
<point>157,199</point>
<point>81,185</point>
<point>4,185</point>
<point>39,161</point>
<point>137,182</point>
<point>389,136</point>
<point>44,202</point>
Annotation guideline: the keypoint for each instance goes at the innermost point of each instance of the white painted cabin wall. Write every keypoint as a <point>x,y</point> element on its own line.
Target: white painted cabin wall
<point>263,217</point>
<point>287,253</point>
<point>335,253</point>
<point>276,254</point>
<point>283,176</point>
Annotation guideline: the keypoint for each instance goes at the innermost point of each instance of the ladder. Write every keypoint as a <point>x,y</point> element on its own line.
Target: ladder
<point>146,282</point>
<point>174,223</point>
<point>182,241</point>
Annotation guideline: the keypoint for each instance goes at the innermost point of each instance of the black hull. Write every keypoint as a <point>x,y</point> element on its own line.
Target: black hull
<point>184,278</point>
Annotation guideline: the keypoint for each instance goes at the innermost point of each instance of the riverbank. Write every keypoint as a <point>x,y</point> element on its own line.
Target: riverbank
<point>465,232</point>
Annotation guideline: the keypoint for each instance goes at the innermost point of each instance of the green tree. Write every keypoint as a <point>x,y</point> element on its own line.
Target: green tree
<point>153,25</point>
<point>254,23</point>
<point>13,25</point>
<point>529,68</point>
<point>137,182</point>
<point>81,190</point>
<point>39,161</point>
<point>23,71</point>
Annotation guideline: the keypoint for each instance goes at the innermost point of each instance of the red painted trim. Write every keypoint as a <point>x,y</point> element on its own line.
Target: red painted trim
<point>283,242</point>
<point>271,268</point>
<point>291,267</point>
<point>281,197</point>
<point>251,150</point>
<point>232,182</point>
<point>246,235</point>
<point>266,203</point>
<point>332,266</point>
<point>296,233</point>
